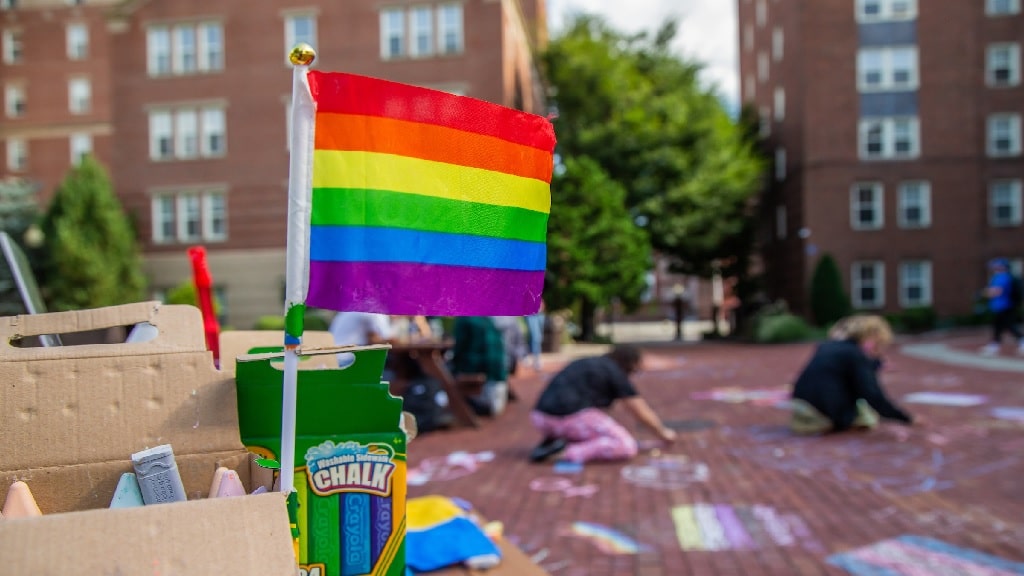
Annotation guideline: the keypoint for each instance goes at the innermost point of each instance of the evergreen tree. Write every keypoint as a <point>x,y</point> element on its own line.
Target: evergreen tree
<point>829,301</point>
<point>92,257</point>
<point>595,251</point>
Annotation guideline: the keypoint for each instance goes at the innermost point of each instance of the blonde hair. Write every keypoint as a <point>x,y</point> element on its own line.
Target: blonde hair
<point>861,328</point>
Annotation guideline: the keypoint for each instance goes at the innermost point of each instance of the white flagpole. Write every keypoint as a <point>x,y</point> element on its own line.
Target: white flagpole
<point>297,255</point>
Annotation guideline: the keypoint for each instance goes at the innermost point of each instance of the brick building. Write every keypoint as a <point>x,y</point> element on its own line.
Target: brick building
<point>895,127</point>
<point>196,108</point>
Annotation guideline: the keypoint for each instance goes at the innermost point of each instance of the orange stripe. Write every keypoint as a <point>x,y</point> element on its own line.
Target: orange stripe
<point>348,132</point>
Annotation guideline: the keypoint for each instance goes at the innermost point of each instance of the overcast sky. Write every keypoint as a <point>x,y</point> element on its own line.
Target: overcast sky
<point>707,30</point>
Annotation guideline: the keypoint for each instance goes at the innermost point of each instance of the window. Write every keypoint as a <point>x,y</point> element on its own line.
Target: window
<point>13,47</point>
<point>780,104</point>
<point>780,164</point>
<point>781,226</point>
<point>778,44</point>
<point>449,20</point>
<point>81,144</point>
<point>299,28</point>
<point>1004,135</point>
<point>866,206</point>
<point>748,37</point>
<point>158,50</point>
<point>1004,203</point>
<point>79,96</point>
<point>77,36</point>
<point>1002,64</point>
<point>868,284</point>
<point>422,18</point>
<point>14,100</point>
<point>915,283</point>
<point>764,122</point>
<point>187,133</point>
<point>191,216</point>
<point>749,87</point>
<point>185,48</point>
<point>392,33</point>
<point>882,10</point>
<point>761,13</point>
<point>887,69</point>
<point>211,46</point>
<point>915,205</point>
<point>892,138</point>
<point>17,155</point>
<point>1002,7</point>
<point>762,66</point>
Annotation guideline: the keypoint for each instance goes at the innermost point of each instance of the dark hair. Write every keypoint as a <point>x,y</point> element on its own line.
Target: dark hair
<point>626,356</point>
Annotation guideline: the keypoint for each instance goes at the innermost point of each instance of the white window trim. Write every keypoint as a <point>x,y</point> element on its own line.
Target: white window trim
<point>889,138</point>
<point>855,285</point>
<point>1015,201</point>
<point>877,204</point>
<point>765,122</point>
<point>75,50</point>
<point>926,205</point>
<point>990,8</point>
<point>441,30</point>
<point>152,53</point>
<point>8,39</point>
<point>1014,62</point>
<point>1015,135</point>
<point>14,94</point>
<point>779,107</point>
<point>385,34</point>
<point>761,13</point>
<point>926,284</point>
<point>885,14</point>
<point>206,214</point>
<point>780,164</point>
<point>78,151</point>
<point>888,83</point>
<point>781,222</point>
<point>202,151</point>
<point>414,47</point>
<point>778,44</point>
<point>17,155</point>
<point>82,105</point>
<point>763,67</point>
<point>748,37</point>
<point>179,200</point>
<point>290,39</point>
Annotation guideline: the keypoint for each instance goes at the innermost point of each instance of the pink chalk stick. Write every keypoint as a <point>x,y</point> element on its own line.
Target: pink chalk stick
<point>218,477</point>
<point>231,485</point>
<point>20,503</point>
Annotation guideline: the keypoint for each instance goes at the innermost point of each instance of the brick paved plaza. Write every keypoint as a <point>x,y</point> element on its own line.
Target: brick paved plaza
<point>738,495</point>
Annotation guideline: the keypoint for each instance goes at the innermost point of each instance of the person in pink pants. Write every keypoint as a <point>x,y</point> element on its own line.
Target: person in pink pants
<point>571,415</point>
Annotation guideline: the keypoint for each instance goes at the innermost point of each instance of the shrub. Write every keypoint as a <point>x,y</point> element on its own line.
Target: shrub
<point>781,328</point>
<point>913,320</point>
<point>829,301</point>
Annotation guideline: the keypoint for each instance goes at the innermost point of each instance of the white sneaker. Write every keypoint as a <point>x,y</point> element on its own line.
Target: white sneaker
<point>990,349</point>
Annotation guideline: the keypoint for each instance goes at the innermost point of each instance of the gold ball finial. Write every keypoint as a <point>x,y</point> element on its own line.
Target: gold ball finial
<point>302,54</point>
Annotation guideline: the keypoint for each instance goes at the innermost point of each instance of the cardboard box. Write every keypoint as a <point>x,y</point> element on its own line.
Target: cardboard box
<point>235,343</point>
<point>70,417</point>
<point>350,453</point>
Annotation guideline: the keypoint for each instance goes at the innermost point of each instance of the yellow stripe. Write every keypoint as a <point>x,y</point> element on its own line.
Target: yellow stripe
<point>302,489</point>
<point>370,170</point>
<point>389,553</point>
<point>687,530</point>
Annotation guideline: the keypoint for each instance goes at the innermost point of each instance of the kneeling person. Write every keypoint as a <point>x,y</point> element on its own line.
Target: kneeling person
<point>569,412</point>
<point>838,389</point>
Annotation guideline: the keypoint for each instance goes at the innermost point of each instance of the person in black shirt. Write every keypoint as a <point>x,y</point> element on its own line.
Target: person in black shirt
<point>570,412</point>
<point>838,389</point>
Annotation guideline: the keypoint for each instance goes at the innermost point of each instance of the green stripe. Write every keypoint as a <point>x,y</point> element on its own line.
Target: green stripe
<point>381,208</point>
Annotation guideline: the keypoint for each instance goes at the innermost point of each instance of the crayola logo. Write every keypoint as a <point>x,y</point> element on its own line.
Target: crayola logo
<point>350,467</point>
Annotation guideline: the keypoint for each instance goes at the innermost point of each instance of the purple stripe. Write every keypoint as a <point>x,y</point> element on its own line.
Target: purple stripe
<point>735,533</point>
<point>409,288</point>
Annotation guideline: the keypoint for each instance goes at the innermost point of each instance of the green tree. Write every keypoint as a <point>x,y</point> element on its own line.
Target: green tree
<point>595,251</point>
<point>829,301</point>
<point>92,257</point>
<point>690,172</point>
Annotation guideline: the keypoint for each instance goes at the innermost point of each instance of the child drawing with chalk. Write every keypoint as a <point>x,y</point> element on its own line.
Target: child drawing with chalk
<point>839,389</point>
<point>570,413</point>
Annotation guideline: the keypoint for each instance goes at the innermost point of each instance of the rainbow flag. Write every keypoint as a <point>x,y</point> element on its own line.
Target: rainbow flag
<point>424,202</point>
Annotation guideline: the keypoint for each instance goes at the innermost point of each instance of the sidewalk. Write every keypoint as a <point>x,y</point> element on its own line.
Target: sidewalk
<point>738,495</point>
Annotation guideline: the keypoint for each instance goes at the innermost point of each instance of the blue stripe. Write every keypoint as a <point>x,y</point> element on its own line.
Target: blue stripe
<point>366,244</point>
<point>963,553</point>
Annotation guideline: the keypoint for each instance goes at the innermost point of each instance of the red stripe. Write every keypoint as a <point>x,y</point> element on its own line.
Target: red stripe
<point>350,94</point>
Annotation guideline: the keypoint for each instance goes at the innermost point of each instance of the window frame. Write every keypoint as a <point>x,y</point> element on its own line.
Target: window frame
<point>925,206</point>
<point>877,206</point>
<point>1014,135</point>
<point>1013,64</point>
<point>779,104</point>
<point>781,164</point>
<point>887,70</point>
<point>76,48</point>
<point>778,44</point>
<point>291,37</point>
<point>885,12</point>
<point>15,107</point>
<point>17,154</point>
<point>459,29</point>
<point>1014,203</point>
<point>904,285</point>
<point>888,137</point>
<point>13,46</point>
<point>389,17</point>
<point>77,152</point>
<point>178,132</point>
<point>211,203</point>
<point>159,51</point>
<point>79,104</point>
<point>415,50</point>
<point>856,284</point>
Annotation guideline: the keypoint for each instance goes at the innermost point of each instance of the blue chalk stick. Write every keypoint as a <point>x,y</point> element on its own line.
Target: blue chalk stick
<point>127,494</point>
